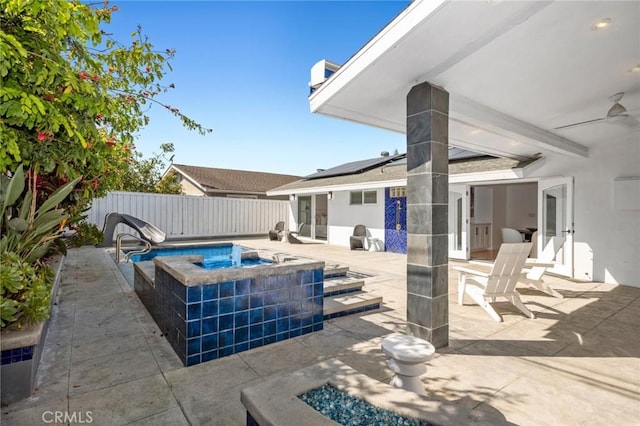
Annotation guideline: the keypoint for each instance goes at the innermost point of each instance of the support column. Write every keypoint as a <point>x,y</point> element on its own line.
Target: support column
<point>427,219</point>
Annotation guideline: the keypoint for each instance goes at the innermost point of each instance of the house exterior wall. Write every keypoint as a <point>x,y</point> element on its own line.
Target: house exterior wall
<point>190,189</point>
<point>607,240</point>
<point>343,217</point>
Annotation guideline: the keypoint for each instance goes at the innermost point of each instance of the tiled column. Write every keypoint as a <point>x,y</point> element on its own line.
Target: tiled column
<point>427,203</point>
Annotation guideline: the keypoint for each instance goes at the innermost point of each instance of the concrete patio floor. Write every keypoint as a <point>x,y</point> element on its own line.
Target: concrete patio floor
<point>577,363</point>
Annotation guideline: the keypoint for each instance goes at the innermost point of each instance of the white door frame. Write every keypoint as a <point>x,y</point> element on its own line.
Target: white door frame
<point>463,252</point>
<point>561,225</point>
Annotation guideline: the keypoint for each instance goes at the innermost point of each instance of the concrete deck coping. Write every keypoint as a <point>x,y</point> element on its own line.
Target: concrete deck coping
<point>276,402</point>
<point>187,272</point>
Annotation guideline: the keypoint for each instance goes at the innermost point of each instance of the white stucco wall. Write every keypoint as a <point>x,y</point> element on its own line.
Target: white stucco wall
<point>343,217</point>
<point>607,241</point>
<point>190,189</point>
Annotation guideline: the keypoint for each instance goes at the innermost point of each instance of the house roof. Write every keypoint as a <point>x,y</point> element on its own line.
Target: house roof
<point>517,73</point>
<point>214,179</point>
<point>397,171</point>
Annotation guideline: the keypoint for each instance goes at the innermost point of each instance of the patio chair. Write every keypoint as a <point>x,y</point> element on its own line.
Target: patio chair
<point>276,233</point>
<point>485,287</point>
<point>534,247</point>
<point>292,235</point>
<point>533,277</point>
<point>510,235</point>
<point>356,241</point>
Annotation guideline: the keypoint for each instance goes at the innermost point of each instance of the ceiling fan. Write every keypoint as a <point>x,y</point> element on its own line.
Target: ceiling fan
<point>617,115</point>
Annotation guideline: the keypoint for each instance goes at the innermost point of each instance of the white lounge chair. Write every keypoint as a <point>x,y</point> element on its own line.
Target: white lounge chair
<point>534,275</point>
<point>485,287</point>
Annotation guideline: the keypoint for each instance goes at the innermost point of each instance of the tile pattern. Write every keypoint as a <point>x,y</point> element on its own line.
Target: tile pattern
<point>353,311</point>
<point>395,209</point>
<point>427,213</point>
<point>210,321</point>
<point>11,356</point>
<point>343,291</point>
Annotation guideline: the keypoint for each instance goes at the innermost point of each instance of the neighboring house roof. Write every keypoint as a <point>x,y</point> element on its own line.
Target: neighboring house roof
<point>397,171</point>
<point>214,179</point>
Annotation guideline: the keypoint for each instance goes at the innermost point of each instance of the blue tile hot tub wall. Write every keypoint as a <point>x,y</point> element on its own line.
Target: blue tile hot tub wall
<point>210,321</point>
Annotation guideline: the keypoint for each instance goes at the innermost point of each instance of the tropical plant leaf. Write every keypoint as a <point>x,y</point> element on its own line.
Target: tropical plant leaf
<point>57,197</point>
<point>14,188</point>
<point>18,224</point>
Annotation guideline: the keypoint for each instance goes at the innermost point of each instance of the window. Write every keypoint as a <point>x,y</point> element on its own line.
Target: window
<point>370,197</point>
<point>398,191</point>
<point>356,197</point>
<point>363,197</point>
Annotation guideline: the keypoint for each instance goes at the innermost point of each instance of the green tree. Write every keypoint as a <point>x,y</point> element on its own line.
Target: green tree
<point>145,175</point>
<point>73,97</point>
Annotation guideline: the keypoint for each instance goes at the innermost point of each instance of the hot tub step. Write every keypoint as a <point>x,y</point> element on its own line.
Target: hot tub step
<point>342,285</point>
<point>331,271</point>
<point>338,306</point>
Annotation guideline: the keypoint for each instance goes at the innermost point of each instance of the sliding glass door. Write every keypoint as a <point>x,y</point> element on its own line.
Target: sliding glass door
<point>304,216</point>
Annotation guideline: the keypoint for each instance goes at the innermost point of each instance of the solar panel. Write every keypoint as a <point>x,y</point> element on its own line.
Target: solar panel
<point>354,167</point>
<point>360,166</point>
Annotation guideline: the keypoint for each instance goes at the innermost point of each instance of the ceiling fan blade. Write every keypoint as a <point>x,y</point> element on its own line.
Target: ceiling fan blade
<point>595,120</point>
<point>624,120</point>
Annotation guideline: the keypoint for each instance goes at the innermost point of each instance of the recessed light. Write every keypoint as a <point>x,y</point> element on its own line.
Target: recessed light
<point>635,68</point>
<point>601,24</point>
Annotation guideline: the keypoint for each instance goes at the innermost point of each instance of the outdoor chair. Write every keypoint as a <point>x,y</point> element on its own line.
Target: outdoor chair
<point>510,235</point>
<point>533,277</point>
<point>356,241</point>
<point>485,287</point>
<point>534,247</point>
<point>276,233</point>
<point>292,236</point>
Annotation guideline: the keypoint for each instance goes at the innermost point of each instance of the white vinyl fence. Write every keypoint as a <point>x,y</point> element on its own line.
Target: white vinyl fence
<point>185,216</point>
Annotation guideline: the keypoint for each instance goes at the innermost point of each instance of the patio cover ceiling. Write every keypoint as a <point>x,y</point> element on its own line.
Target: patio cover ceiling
<point>515,71</point>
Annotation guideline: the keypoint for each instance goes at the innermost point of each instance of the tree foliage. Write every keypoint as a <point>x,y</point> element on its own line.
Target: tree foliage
<point>72,96</point>
<point>72,99</point>
<point>145,175</point>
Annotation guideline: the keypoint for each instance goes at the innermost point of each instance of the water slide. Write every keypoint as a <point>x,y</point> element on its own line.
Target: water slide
<point>147,231</point>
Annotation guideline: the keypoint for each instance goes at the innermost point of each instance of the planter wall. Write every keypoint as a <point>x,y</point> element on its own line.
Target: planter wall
<point>21,351</point>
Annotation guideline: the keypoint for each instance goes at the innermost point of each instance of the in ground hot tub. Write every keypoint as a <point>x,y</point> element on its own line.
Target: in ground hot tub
<point>210,313</point>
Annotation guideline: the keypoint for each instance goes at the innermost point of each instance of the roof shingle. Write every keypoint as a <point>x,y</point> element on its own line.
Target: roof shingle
<point>234,180</point>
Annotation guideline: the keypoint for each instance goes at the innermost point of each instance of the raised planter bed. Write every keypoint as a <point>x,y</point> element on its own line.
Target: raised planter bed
<point>21,350</point>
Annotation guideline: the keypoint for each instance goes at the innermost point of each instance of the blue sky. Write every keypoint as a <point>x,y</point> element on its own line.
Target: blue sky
<point>242,68</point>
